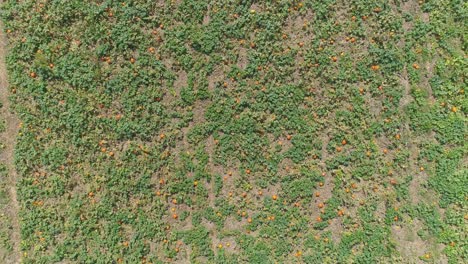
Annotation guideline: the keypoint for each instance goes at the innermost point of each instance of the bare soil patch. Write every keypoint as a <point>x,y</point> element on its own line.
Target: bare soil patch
<point>7,157</point>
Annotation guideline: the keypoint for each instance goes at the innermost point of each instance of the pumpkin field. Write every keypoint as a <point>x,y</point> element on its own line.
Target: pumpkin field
<point>234,131</point>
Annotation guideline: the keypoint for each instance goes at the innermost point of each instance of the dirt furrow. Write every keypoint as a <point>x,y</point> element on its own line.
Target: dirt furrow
<point>7,155</point>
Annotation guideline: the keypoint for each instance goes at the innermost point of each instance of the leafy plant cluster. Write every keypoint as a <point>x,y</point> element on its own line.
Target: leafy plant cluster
<point>238,132</point>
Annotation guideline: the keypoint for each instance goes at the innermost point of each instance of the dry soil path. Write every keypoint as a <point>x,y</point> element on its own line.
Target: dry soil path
<point>7,154</point>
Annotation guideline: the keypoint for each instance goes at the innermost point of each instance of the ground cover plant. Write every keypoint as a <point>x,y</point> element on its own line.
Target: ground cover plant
<point>237,131</point>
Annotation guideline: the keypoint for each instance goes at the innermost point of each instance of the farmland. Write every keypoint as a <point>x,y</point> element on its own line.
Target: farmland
<point>199,131</point>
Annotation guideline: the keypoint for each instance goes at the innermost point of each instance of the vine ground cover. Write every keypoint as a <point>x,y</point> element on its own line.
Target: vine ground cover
<point>240,131</point>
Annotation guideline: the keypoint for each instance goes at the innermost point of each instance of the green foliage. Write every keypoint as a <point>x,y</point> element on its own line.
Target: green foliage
<point>237,132</point>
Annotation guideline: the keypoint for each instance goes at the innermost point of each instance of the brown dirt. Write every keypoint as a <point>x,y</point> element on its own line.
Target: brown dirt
<point>215,77</point>
<point>375,105</point>
<point>409,244</point>
<point>407,98</point>
<point>325,191</point>
<point>256,7</point>
<point>410,6</point>
<point>425,17</point>
<point>336,229</point>
<point>380,211</point>
<point>242,60</point>
<point>419,177</point>
<point>429,67</point>
<point>207,18</point>
<point>297,33</point>
<point>199,111</point>
<point>7,155</point>
<point>295,29</point>
<point>181,81</point>
<point>228,243</point>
